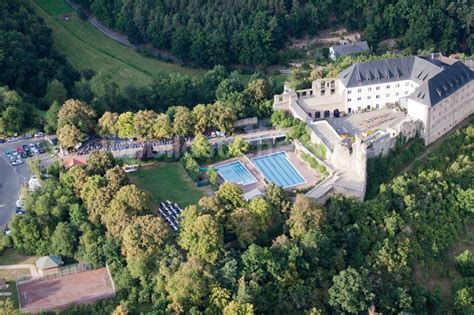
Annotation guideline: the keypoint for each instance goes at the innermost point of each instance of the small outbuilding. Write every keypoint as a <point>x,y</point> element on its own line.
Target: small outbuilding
<point>348,49</point>
<point>73,162</point>
<point>48,265</point>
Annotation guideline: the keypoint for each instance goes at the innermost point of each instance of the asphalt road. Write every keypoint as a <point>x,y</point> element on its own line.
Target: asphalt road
<point>11,179</point>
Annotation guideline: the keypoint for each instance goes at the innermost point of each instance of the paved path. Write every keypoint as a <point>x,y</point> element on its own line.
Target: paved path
<point>123,39</point>
<point>33,271</point>
<point>101,28</point>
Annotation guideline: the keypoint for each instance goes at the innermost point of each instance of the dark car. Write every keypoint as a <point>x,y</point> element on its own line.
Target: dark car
<point>40,147</point>
<point>27,150</point>
<point>53,141</point>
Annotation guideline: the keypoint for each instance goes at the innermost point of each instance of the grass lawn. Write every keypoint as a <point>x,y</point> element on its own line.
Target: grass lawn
<point>167,181</point>
<point>13,296</point>
<point>87,48</point>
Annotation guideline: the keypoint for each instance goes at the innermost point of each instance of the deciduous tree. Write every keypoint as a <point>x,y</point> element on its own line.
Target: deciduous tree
<point>200,147</point>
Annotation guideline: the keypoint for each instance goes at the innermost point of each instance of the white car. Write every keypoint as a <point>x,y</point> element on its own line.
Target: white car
<point>19,203</point>
<point>39,134</point>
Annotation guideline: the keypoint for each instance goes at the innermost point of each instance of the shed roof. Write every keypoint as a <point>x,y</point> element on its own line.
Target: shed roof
<point>48,262</point>
<point>350,49</point>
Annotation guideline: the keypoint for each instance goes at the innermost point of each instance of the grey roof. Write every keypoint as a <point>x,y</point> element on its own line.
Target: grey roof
<point>389,70</point>
<point>47,262</point>
<point>350,49</point>
<point>443,84</point>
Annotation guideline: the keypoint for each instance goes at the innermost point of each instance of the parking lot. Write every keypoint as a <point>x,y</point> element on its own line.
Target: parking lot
<point>13,176</point>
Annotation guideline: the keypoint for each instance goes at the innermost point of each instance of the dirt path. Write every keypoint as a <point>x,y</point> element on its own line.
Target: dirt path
<point>33,271</point>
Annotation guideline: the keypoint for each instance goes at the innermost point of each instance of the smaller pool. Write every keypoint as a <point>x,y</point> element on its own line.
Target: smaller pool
<point>278,169</point>
<point>235,172</point>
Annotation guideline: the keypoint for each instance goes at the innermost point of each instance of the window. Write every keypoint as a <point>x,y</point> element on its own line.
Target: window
<point>368,106</point>
<point>406,92</point>
<point>407,84</point>
<point>359,90</point>
<point>370,89</point>
<point>388,86</point>
<point>358,98</point>
<point>377,88</point>
<point>349,91</point>
<point>349,100</point>
<point>396,94</point>
<point>368,97</point>
<point>377,106</point>
<point>377,96</point>
<point>388,95</point>
<point>398,85</point>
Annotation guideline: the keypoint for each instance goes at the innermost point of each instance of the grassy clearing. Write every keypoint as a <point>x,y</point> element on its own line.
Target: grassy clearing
<point>53,7</point>
<point>12,257</point>
<point>167,181</point>
<point>13,296</point>
<point>87,48</point>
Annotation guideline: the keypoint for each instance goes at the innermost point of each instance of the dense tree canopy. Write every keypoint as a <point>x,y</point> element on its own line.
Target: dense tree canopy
<point>210,33</point>
<point>28,60</point>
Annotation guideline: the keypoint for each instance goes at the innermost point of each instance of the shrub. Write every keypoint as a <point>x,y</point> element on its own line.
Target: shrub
<point>465,263</point>
<point>314,164</point>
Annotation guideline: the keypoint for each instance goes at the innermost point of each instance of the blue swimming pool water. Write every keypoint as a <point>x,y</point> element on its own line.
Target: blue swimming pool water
<point>235,172</point>
<point>277,169</point>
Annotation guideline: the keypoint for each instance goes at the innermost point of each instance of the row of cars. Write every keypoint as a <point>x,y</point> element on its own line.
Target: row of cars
<point>18,137</point>
<point>23,152</point>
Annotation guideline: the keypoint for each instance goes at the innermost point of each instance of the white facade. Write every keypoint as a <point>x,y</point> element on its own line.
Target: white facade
<point>442,117</point>
<point>376,96</point>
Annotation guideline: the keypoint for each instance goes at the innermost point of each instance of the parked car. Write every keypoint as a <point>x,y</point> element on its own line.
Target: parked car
<point>2,140</point>
<point>19,210</point>
<point>53,141</point>
<point>19,203</point>
<point>39,134</point>
<point>28,136</point>
<point>27,150</point>
<point>40,148</point>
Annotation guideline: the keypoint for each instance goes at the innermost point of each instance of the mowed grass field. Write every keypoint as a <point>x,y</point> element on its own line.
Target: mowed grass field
<point>87,48</point>
<point>167,181</point>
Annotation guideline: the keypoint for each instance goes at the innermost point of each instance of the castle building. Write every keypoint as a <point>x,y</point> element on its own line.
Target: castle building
<point>379,100</point>
<point>434,89</point>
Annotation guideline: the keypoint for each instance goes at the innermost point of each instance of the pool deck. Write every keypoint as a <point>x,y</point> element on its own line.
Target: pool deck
<point>310,176</point>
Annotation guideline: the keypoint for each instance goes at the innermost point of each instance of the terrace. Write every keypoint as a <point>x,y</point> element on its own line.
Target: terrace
<point>365,123</point>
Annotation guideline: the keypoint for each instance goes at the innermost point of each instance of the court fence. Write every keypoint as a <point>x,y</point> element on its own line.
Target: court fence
<point>63,271</point>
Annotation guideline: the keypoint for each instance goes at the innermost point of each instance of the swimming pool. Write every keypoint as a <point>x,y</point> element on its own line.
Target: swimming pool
<point>277,169</point>
<point>235,172</point>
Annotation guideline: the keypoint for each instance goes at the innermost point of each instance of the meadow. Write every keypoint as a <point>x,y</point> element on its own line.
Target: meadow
<point>87,48</point>
<point>167,181</point>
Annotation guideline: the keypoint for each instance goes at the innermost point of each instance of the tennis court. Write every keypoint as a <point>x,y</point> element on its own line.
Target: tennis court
<point>278,169</point>
<point>56,292</point>
<point>235,172</point>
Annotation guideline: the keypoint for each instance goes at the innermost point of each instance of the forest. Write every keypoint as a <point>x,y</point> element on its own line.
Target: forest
<point>254,33</point>
<point>269,255</point>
